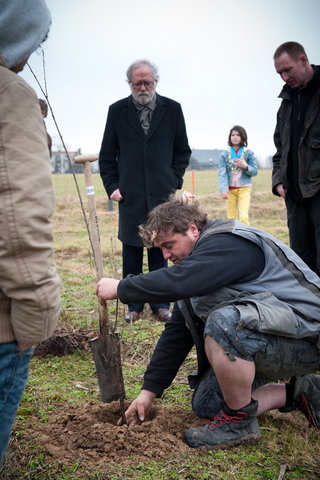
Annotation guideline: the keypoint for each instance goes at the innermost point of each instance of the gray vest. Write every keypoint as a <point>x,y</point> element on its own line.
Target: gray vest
<point>283,300</point>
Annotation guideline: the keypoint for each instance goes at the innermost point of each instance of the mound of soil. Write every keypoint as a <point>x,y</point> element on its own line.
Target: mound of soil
<point>88,433</point>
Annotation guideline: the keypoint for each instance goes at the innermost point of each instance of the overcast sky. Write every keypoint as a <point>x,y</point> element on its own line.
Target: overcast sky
<point>214,57</point>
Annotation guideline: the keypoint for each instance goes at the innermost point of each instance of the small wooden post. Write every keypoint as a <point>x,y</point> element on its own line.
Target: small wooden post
<point>192,182</point>
<point>106,347</point>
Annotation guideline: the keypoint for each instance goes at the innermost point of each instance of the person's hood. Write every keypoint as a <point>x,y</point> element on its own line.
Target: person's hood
<point>24,25</point>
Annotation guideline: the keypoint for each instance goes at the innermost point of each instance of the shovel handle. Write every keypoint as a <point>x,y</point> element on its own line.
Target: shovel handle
<point>94,230</point>
<point>93,219</point>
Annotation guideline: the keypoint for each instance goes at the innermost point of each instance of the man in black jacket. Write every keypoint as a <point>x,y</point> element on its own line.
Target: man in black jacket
<point>249,305</point>
<point>296,165</point>
<point>143,157</point>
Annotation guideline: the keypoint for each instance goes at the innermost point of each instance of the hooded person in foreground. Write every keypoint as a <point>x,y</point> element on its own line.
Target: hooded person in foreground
<point>29,284</point>
<point>249,305</point>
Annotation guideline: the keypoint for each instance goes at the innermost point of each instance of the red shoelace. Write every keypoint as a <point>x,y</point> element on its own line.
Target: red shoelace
<point>222,418</point>
<point>304,408</point>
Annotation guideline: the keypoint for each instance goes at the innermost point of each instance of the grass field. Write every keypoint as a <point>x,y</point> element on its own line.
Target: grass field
<point>73,256</point>
<point>288,450</point>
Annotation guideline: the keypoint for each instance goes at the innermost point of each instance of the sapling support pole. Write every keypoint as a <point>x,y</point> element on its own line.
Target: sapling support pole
<point>106,347</point>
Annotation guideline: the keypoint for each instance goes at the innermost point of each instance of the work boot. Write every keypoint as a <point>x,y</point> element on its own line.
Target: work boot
<point>227,429</point>
<point>306,397</point>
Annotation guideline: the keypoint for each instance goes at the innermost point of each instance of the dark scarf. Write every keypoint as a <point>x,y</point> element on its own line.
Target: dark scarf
<point>145,112</point>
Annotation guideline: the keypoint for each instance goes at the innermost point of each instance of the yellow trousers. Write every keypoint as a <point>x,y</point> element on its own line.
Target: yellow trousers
<point>238,204</point>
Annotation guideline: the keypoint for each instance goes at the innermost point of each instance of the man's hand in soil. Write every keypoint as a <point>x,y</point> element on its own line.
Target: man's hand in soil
<point>139,408</point>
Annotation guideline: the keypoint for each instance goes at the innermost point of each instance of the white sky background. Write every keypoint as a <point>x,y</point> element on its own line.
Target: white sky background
<point>214,57</point>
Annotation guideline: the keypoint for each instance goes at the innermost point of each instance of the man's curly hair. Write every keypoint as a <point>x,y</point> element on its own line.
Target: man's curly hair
<point>173,216</point>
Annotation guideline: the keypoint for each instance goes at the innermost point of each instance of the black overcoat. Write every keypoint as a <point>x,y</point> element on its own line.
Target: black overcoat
<point>146,168</point>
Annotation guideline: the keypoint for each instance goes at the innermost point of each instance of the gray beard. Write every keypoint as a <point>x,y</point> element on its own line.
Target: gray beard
<point>143,100</point>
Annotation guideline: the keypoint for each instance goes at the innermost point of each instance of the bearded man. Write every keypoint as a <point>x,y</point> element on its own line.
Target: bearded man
<point>143,157</point>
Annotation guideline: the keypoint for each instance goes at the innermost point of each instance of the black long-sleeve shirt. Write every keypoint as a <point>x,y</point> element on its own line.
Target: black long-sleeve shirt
<point>218,260</point>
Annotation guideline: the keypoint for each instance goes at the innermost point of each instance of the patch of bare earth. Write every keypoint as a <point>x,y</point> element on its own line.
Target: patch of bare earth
<point>89,434</point>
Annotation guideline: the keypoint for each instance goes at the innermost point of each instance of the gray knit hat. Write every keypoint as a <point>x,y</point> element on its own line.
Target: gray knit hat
<point>24,24</point>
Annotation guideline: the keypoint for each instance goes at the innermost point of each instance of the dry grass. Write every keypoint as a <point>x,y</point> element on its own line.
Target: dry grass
<point>287,446</point>
<point>73,252</point>
<point>74,259</point>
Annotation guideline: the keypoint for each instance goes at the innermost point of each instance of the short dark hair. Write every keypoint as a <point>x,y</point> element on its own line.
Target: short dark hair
<point>242,133</point>
<point>293,49</point>
<point>173,216</point>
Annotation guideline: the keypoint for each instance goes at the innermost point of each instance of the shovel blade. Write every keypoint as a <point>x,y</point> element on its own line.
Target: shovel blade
<point>107,357</point>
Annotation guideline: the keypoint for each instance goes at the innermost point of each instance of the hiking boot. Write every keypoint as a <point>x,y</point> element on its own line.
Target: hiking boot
<point>227,429</point>
<point>306,397</point>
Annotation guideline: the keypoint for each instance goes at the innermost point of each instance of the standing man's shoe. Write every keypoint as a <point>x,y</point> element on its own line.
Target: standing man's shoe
<point>131,317</point>
<point>227,429</point>
<point>163,314</point>
<point>306,397</point>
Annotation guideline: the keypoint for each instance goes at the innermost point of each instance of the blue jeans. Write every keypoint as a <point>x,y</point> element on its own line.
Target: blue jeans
<point>14,367</point>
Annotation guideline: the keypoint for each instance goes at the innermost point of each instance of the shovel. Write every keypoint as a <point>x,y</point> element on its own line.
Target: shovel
<point>106,347</point>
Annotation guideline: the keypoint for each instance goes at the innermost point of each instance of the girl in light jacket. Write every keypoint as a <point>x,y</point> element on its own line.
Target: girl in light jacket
<point>236,167</point>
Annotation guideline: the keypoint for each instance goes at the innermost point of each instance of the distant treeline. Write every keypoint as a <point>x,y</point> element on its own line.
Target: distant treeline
<point>199,160</point>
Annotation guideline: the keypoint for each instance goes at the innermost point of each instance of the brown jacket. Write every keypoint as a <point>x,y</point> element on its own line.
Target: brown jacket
<point>29,284</point>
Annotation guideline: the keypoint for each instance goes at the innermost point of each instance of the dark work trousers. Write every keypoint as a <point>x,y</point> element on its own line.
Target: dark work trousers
<point>132,258</point>
<point>304,229</point>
